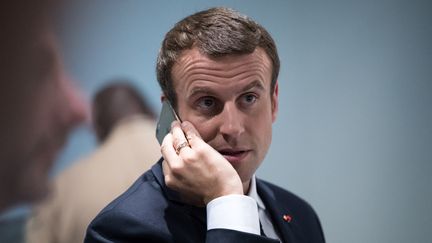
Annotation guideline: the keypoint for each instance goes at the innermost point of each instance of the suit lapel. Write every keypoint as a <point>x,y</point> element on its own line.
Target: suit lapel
<point>285,227</point>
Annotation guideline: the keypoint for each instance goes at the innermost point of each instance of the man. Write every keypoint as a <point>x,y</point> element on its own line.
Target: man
<point>219,70</point>
<point>38,103</point>
<point>125,126</point>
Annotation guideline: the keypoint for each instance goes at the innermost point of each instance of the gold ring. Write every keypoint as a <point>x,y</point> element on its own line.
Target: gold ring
<point>182,145</point>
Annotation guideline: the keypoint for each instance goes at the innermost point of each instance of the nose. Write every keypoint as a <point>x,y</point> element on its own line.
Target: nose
<point>78,109</point>
<point>231,122</point>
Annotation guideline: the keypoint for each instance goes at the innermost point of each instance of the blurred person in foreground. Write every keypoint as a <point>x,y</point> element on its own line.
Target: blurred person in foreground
<point>219,69</point>
<point>125,126</point>
<point>39,104</point>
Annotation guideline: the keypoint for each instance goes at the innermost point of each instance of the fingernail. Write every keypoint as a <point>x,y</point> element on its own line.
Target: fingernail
<point>173,124</point>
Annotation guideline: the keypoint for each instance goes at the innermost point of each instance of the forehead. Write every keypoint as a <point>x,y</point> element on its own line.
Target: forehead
<point>193,66</point>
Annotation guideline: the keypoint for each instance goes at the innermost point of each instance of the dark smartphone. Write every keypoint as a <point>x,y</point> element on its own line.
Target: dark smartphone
<point>167,116</point>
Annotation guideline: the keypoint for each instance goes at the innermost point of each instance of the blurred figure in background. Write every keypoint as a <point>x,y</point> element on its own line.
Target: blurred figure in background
<point>125,127</point>
<point>38,103</point>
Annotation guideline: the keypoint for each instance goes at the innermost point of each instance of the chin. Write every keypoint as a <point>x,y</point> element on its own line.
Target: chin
<point>247,173</point>
<point>34,191</point>
<point>245,177</point>
<point>34,183</point>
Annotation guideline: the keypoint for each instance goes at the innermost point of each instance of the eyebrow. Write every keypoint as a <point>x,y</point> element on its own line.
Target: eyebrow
<point>199,90</point>
<point>205,90</point>
<point>254,84</point>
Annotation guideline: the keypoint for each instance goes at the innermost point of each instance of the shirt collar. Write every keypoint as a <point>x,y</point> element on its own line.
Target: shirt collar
<point>254,194</point>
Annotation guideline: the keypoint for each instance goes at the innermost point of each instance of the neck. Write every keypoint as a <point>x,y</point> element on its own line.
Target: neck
<point>246,186</point>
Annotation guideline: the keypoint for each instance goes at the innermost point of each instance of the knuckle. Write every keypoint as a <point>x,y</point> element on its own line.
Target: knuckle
<point>171,182</point>
<point>168,180</point>
<point>189,157</point>
<point>176,169</point>
<point>201,148</point>
<point>163,148</point>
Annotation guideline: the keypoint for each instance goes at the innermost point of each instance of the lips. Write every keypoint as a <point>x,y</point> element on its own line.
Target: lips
<point>48,148</point>
<point>234,156</point>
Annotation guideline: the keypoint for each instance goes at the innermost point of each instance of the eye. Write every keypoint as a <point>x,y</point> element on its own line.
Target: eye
<point>206,103</point>
<point>248,99</point>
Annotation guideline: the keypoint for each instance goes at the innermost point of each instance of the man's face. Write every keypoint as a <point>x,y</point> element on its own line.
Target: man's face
<point>228,100</point>
<point>43,108</point>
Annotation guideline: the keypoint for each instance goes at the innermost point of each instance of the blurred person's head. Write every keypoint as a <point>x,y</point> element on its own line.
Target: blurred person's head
<point>113,103</point>
<point>234,34</point>
<point>38,102</point>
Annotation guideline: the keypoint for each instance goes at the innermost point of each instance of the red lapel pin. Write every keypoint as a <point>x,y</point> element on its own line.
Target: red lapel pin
<point>287,218</point>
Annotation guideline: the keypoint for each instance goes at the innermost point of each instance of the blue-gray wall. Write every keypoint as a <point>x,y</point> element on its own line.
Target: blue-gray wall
<point>354,132</point>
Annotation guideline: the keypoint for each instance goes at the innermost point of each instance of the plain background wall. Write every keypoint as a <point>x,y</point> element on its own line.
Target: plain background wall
<point>354,131</point>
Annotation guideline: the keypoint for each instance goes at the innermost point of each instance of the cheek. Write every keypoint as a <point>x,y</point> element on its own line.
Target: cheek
<point>206,128</point>
<point>32,120</point>
<point>260,128</point>
<point>46,107</point>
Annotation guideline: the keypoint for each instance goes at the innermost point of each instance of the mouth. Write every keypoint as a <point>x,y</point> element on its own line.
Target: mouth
<point>47,155</point>
<point>234,156</point>
<point>49,150</point>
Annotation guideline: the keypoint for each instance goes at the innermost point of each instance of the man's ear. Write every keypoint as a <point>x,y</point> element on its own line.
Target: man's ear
<point>275,101</point>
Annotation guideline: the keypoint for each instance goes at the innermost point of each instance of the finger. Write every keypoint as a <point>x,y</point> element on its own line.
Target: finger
<point>170,179</point>
<point>178,135</point>
<point>168,151</point>
<point>191,133</point>
<point>167,171</point>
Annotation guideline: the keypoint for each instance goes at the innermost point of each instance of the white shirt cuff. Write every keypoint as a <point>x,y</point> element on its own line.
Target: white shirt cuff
<point>235,212</point>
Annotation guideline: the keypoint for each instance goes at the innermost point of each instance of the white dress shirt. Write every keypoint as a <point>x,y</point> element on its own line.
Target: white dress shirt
<point>241,213</point>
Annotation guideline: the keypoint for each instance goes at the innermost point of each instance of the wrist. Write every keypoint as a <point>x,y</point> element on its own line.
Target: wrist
<point>231,189</point>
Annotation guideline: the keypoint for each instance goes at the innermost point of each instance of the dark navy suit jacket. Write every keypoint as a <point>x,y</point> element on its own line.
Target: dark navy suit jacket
<point>150,212</point>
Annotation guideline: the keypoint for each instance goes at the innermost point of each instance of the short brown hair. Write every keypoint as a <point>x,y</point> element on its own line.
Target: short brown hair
<point>215,32</point>
<point>115,102</point>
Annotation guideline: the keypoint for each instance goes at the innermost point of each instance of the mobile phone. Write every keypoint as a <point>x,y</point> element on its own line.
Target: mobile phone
<point>167,116</point>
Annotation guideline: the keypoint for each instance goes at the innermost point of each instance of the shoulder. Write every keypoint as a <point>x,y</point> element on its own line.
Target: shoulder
<point>143,197</point>
<point>303,217</point>
<point>137,212</point>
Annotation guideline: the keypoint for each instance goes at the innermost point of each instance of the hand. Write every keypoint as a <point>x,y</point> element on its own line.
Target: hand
<point>198,172</point>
